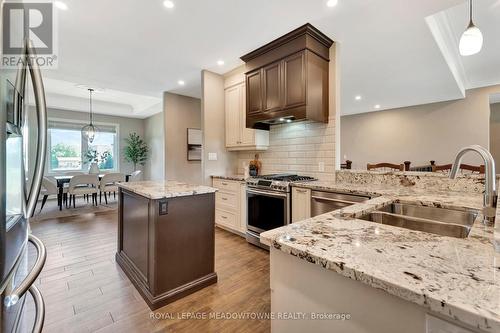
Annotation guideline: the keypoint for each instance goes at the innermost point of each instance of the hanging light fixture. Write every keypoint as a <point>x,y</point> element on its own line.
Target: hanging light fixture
<point>471,41</point>
<point>89,131</point>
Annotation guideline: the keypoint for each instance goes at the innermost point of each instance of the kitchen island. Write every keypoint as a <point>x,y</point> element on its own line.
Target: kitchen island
<point>166,238</point>
<point>363,276</point>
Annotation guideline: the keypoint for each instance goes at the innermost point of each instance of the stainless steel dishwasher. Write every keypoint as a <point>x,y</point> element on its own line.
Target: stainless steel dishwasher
<point>324,202</point>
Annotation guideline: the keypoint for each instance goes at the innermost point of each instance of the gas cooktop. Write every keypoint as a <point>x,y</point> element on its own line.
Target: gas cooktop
<point>285,177</point>
<point>277,182</point>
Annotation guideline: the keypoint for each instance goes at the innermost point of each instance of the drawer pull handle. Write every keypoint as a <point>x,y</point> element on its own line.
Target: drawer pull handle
<point>301,191</point>
<point>224,217</point>
<point>224,198</point>
<point>225,184</point>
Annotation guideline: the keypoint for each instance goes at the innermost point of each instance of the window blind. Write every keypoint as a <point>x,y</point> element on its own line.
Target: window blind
<point>65,125</point>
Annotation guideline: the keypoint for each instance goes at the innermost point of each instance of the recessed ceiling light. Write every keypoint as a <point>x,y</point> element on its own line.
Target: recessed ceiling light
<point>61,5</point>
<point>169,4</point>
<point>282,119</point>
<point>377,106</point>
<point>181,82</point>
<point>220,62</point>
<point>358,98</point>
<point>289,120</point>
<point>332,3</point>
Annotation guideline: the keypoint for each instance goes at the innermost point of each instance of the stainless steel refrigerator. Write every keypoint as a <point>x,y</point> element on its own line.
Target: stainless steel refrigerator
<point>21,174</point>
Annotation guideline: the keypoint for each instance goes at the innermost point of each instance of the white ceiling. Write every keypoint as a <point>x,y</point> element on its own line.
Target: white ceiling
<point>393,53</point>
<point>65,95</point>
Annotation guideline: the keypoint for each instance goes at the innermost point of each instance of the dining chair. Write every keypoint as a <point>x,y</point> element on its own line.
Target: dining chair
<point>134,176</point>
<point>466,167</point>
<point>108,184</point>
<point>75,173</point>
<point>83,185</point>
<point>49,187</point>
<point>385,166</point>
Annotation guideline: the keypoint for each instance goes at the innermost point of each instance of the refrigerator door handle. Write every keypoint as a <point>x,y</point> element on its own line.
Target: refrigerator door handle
<point>40,309</point>
<point>41,111</point>
<point>13,297</point>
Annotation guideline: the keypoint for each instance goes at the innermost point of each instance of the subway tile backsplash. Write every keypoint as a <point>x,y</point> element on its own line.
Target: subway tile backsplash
<point>305,148</point>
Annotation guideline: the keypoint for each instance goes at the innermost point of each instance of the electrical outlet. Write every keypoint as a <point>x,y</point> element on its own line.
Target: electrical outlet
<point>321,166</point>
<point>212,156</point>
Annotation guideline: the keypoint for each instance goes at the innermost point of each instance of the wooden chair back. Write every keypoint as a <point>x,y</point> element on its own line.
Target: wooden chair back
<point>347,165</point>
<point>447,167</point>
<point>385,165</point>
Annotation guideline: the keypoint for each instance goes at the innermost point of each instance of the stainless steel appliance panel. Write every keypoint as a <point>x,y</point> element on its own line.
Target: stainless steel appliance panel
<point>324,202</point>
<point>266,210</point>
<point>16,202</point>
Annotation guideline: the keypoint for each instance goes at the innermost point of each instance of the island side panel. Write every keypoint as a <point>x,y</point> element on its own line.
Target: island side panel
<point>185,239</point>
<point>134,231</point>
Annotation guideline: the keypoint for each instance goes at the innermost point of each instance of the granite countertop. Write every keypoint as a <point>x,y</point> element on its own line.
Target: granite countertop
<point>165,189</point>
<point>240,178</point>
<point>457,278</point>
<point>426,197</point>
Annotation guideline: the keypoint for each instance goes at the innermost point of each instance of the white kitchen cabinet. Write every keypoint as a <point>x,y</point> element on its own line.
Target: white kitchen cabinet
<point>230,205</point>
<point>301,204</point>
<point>238,137</point>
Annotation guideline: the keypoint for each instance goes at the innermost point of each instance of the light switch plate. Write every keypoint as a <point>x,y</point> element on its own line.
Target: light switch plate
<point>212,156</point>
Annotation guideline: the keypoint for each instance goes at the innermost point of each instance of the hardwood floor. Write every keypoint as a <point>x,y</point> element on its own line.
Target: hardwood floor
<point>86,291</point>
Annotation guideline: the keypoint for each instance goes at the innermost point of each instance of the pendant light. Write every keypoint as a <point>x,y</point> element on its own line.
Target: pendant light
<point>471,41</point>
<point>89,131</point>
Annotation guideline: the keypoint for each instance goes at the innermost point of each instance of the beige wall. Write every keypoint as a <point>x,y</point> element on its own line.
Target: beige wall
<point>418,133</point>
<point>181,113</point>
<point>495,133</point>
<point>213,126</point>
<point>155,138</point>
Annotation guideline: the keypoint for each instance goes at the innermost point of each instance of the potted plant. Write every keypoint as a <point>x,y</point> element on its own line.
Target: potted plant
<point>136,151</point>
<point>94,158</point>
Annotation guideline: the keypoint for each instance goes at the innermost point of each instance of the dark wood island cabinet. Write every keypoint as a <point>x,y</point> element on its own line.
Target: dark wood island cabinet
<point>166,239</point>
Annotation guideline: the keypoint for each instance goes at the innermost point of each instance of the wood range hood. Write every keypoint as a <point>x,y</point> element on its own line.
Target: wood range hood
<point>287,79</point>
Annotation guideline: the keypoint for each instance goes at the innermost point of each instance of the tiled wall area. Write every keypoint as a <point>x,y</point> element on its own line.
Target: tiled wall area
<point>298,148</point>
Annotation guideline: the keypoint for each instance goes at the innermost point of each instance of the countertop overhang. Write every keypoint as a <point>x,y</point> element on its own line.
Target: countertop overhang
<point>457,278</point>
<point>165,189</point>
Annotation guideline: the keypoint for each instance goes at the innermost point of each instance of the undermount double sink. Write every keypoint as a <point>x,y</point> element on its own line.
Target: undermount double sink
<point>441,221</point>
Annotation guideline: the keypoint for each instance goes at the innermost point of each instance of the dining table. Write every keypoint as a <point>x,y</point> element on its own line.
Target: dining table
<point>64,179</point>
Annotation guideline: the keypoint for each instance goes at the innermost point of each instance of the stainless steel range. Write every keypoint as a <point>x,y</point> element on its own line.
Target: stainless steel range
<point>269,203</point>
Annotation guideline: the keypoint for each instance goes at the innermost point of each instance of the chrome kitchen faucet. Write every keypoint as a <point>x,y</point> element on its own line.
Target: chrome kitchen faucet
<point>490,193</point>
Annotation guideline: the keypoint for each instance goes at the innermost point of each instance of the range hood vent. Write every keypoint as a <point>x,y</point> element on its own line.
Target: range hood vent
<point>287,79</point>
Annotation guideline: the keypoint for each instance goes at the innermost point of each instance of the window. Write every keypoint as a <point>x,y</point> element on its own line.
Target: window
<point>70,151</point>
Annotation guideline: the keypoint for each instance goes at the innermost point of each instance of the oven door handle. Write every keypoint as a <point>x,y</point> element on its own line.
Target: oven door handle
<point>267,193</point>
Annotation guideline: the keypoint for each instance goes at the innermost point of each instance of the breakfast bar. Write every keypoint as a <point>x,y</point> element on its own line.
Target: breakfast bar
<point>166,238</point>
<point>378,277</point>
